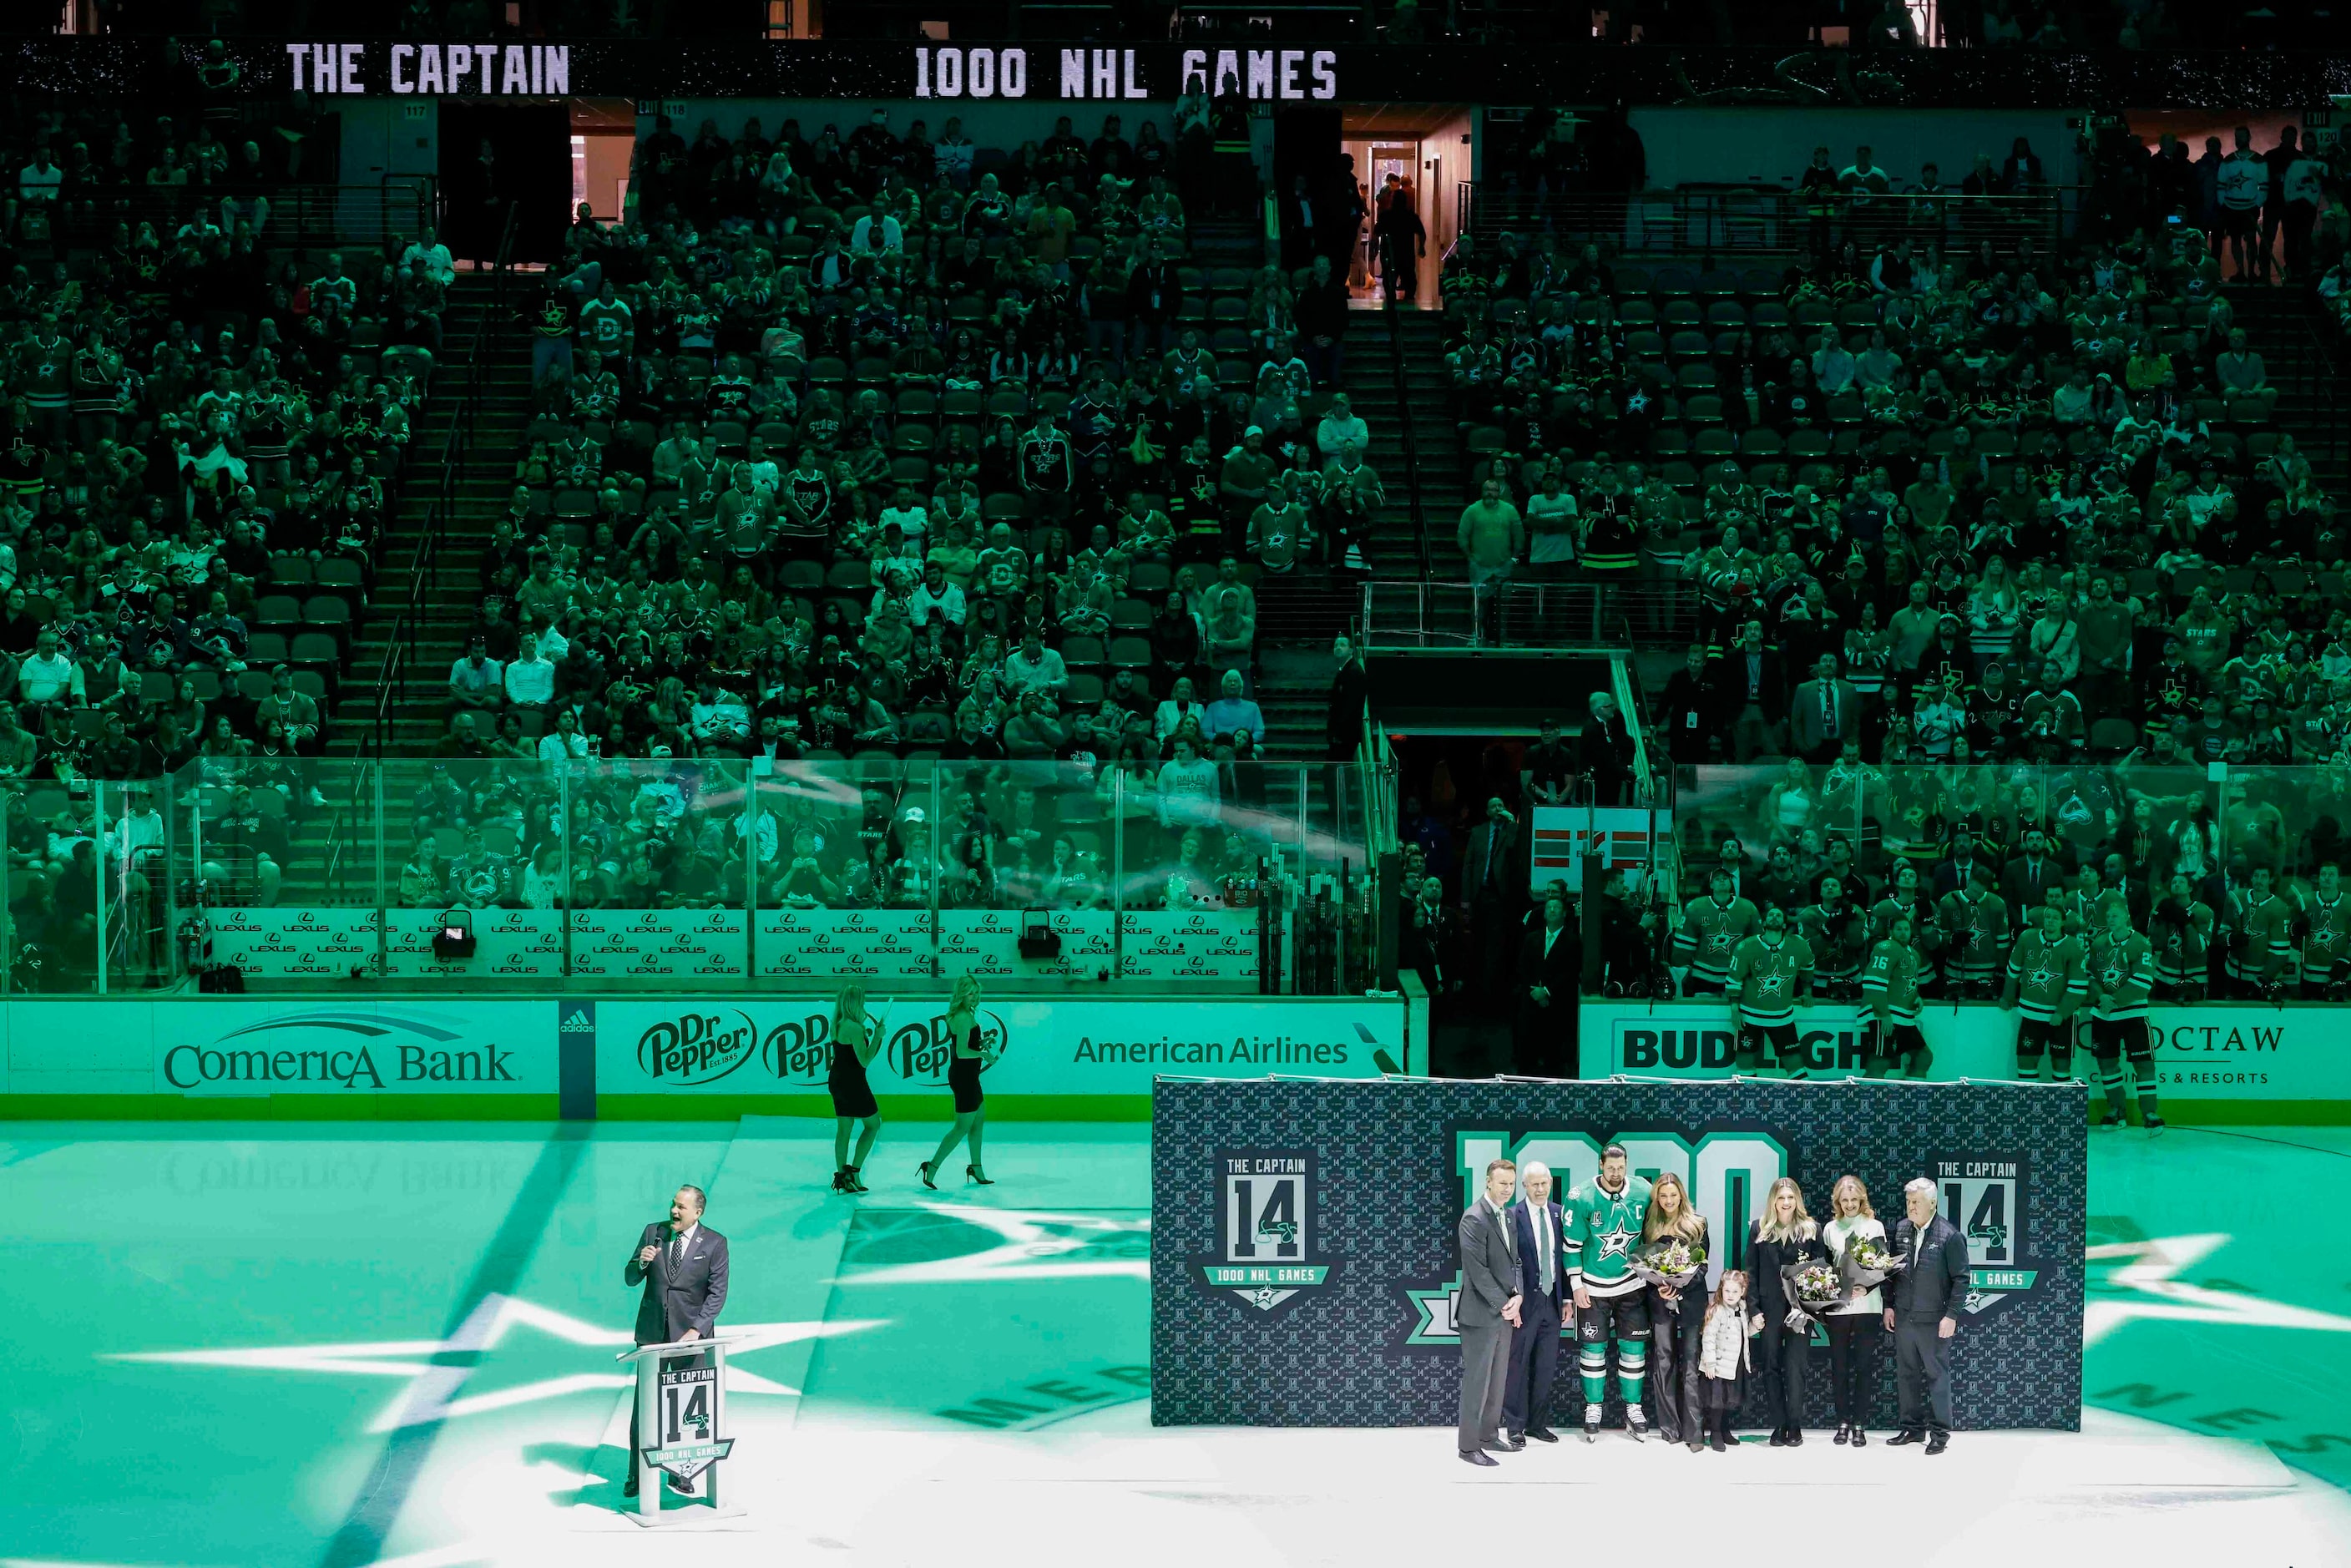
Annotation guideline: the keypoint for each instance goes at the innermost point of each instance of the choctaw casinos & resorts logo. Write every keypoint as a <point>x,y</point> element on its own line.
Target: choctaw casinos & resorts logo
<point>1984,1195</point>
<point>1268,1252</point>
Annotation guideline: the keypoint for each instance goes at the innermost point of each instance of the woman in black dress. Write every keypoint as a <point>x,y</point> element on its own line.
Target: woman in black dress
<point>1677,1317</point>
<point>972,1054</point>
<point>856,1040</point>
<point>1784,1237</point>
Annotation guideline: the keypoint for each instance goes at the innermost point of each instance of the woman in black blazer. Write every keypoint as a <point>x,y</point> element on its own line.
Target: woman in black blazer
<point>1785,1235</point>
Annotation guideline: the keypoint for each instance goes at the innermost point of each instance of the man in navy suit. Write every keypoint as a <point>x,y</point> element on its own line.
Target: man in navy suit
<point>1542,1291</point>
<point>683,1266</point>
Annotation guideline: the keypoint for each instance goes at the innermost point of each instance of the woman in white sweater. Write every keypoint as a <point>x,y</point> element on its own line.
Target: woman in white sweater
<point>1854,1337</point>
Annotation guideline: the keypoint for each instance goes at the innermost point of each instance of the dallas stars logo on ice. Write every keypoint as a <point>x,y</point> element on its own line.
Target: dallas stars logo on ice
<point>1984,1196</point>
<point>1268,1252</point>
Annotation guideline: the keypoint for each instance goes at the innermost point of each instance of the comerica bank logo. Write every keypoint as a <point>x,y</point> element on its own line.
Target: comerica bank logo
<point>1268,1252</point>
<point>334,1049</point>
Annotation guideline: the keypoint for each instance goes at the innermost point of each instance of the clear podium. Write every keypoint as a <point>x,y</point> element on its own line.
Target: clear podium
<point>681,1426</point>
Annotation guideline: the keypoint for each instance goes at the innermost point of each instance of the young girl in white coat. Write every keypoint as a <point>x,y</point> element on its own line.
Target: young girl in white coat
<point>1723,1359</point>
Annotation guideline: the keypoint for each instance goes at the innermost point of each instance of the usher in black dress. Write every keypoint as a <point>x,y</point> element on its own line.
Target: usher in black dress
<point>963,1077</point>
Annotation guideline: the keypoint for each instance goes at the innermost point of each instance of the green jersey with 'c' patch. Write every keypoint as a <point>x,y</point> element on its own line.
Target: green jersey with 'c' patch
<point>1602,1231</point>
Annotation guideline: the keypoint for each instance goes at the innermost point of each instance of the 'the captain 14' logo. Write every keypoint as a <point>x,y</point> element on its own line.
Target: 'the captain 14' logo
<point>1985,1195</point>
<point>1267,1249</point>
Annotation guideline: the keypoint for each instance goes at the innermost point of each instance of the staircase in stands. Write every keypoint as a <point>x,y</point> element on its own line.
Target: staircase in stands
<point>447,609</point>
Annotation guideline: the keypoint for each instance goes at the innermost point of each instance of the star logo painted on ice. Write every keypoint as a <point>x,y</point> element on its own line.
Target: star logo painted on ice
<point>1027,1244</point>
<point>1618,1243</point>
<point>2143,1284</point>
<point>439,1373</point>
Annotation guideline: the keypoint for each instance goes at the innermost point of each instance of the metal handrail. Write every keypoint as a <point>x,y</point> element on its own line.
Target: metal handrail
<point>301,216</point>
<point>1758,220</point>
<point>1405,434</point>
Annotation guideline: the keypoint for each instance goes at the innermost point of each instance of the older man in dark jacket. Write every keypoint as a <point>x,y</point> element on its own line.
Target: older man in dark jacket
<point>1923,1304</point>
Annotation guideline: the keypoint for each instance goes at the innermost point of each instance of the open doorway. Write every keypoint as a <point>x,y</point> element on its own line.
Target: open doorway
<point>1419,153</point>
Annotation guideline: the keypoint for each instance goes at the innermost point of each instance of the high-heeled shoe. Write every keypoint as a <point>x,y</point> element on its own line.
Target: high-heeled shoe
<point>841,1180</point>
<point>926,1176</point>
<point>856,1182</point>
<point>971,1173</point>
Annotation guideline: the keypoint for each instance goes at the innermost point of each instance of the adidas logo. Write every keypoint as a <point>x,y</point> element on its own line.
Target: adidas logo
<point>576,1021</point>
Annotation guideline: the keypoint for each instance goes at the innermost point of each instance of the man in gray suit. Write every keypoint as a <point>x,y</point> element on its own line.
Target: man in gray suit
<point>1823,713</point>
<point>1488,1312</point>
<point>1922,1306</point>
<point>683,1266</point>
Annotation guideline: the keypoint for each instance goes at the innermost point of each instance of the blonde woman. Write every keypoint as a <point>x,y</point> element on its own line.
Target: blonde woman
<point>972,1054</point>
<point>1677,1317</point>
<point>1785,1235</point>
<point>1854,1335</point>
<point>856,1040</point>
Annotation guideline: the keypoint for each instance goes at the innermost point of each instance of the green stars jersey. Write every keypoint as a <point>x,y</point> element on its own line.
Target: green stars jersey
<point>1976,927</point>
<point>1710,933</point>
<point>1839,938</point>
<point>2122,972</point>
<point>2326,931</point>
<point>2049,980</point>
<point>2183,947</point>
<point>1892,978</point>
<point>2264,943</point>
<point>1767,975</point>
<point>1601,1231</point>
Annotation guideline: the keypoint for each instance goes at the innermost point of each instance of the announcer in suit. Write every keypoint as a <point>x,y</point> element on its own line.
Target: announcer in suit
<point>1536,1228</point>
<point>683,1266</point>
<point>1489,1311</point>
<point>1923,1303</point>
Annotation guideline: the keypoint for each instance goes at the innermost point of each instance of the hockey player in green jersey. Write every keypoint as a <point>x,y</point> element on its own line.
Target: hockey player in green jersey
<point>1974,920</point>
<point>2122,972</point>
<point>2261,944</point>
<point>1769,974</point>
<point>1837,932</point>
<point>2326,938</point>
<point>2181,927</point>
<point>1889,984</point>
<point>1601,1230</point>
<point>1712,929</point>
<point>2047,983</point>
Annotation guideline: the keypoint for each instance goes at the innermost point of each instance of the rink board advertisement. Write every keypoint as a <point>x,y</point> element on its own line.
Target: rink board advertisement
<point>759,1046</point>
<point>1305,1273</point>
<point>2217,1059</point>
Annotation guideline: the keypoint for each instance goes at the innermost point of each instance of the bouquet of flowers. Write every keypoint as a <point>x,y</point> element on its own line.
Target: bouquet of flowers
<point>1814,1288</point>
<point>1670,1261</point>
<point>1867,1261</point>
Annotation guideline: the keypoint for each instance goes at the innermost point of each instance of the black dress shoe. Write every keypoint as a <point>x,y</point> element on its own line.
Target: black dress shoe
<point>1939,1442</point>
<point>1779,1436</point>
<point>682,1484</point>
<point>1860,1439</point>
<point>1482,1457</point>
<point>1843,1434</point>
<point>1506,1444</point>
<point>628,1487</point>
<point>1795,1437</point>
<point>1542,1434</point>
<point>1905,1436</point>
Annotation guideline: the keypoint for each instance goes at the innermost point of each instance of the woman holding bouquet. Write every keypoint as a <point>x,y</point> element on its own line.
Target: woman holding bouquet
<point>1673,1261</point>
<point>1856,1242</point>
<point>1781,1245</point>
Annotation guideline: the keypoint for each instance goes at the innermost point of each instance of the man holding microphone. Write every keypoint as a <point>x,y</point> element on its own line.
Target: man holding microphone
<point>683,1266</point>
<point>1488,1312</point>
<point>1923,1301</point>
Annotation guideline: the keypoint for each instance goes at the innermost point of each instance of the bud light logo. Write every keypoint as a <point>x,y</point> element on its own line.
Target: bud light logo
<point>800,1051</point>
<point>698,1048</point>
<point>920,1052</point>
